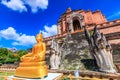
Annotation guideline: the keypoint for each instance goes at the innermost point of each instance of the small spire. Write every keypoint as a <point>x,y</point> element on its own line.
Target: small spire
<point>68,10</point>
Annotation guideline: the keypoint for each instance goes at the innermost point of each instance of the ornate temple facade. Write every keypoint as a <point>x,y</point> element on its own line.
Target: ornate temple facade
<point>74,21</point>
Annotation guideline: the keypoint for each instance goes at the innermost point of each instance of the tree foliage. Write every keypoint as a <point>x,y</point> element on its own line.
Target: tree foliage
<point>7,56</point>
<point>21,52</point>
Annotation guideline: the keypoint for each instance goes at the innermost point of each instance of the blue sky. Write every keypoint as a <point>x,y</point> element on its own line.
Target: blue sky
<point>21,20</point>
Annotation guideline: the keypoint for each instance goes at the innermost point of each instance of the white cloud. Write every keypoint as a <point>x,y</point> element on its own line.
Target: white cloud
<point>115,15</point>
<point>20,39</point>
<point>25,40</point>
<point>37,4</point>
<point>49,31</point>
<point>16,5</point>
<point>20,5</point>
<point>9,33</point>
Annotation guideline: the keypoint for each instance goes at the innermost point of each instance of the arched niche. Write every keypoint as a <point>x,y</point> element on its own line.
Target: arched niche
<point>75,22</point>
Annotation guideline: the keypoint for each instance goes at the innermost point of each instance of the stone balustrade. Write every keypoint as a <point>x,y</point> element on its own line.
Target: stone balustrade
<point>7,69</point>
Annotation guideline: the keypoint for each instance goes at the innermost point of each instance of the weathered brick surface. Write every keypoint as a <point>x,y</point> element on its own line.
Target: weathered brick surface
<point>90,20</point>
<point>115,41</point>
<point>110,30</point>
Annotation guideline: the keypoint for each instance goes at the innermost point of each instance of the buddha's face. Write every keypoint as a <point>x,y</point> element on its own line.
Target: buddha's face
<point>39,38</point>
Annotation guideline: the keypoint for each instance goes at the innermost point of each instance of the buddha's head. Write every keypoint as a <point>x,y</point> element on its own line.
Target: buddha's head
<point>39,38</point>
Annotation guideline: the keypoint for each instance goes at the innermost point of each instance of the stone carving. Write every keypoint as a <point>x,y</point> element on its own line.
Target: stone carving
<point>55,55</point>
<point>101,50</point>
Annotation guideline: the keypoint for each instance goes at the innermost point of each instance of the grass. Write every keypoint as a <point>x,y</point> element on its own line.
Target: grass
<point>4,74</point>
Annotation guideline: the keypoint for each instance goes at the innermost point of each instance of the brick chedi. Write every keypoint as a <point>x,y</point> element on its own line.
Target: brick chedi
<point>70,32</point>
<point>74,21</point>
<point>79,17</point>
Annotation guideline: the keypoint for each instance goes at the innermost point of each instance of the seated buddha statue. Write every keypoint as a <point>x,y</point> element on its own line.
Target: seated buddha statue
<point>38,51</point>
<point>33,64</point>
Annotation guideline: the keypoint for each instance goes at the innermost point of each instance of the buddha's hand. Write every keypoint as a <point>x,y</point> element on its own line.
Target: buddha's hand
<point>22,58</point>
<point>36,57</point>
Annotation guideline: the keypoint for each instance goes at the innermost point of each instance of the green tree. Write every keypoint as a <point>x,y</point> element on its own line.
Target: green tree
<point>21,52</point>
<point>3,54</point>
<point>6,55</point>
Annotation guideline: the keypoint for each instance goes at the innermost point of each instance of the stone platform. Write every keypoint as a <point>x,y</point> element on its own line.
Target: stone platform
<point>51,76</point>
<point>90,74</point>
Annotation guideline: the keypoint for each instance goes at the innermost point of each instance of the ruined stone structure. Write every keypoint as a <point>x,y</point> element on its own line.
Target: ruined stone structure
<point>75,20</point>
<point>72,23</point>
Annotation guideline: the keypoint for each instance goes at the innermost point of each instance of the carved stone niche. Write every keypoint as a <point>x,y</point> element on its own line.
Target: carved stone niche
<point>75,22</point>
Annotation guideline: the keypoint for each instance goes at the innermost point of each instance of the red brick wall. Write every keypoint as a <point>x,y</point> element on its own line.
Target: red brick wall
<point>110,29</point>
<point>98,17</point>
<point>115,41</point>
<point>88,17</point>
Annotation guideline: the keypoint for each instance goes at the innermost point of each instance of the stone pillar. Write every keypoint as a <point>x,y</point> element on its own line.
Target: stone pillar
<point>71,26</point>
<point>59,29</point>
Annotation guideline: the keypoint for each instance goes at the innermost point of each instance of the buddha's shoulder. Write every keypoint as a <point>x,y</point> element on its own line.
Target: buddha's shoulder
<point>40,44</point>
<point>43,43</point>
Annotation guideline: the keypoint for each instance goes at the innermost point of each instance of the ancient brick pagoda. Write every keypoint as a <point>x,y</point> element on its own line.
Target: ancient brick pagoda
<point>74,21</point>
<point>70,43</point>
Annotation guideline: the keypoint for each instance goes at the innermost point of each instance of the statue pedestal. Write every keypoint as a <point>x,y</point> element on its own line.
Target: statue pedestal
<point>32,70</point>
<point>51,76</point>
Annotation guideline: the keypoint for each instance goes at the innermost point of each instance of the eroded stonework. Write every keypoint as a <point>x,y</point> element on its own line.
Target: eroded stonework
<point>73,22</point>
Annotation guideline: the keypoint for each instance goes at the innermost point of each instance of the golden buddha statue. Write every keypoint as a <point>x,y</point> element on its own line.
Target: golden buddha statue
<point>33,64</point>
